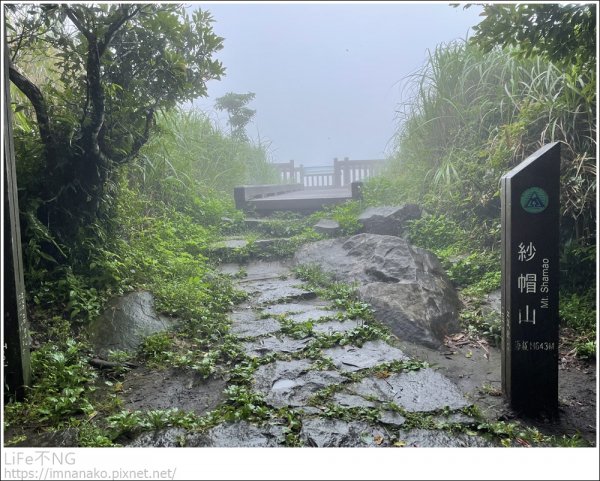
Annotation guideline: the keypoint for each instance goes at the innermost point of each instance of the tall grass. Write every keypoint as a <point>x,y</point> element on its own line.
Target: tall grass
<point>190,152</point>
<point>468,117</point>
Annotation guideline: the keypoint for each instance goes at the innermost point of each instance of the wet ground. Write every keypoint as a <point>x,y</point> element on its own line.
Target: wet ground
<point>341,394</point>
<point>474,366</point>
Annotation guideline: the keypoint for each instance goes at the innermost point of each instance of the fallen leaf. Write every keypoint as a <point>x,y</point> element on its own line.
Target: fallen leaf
<point>469,355</point>
<point>378,439</point>
<point>382,374</point>
<point>522,442</point>
<point>399,444</point>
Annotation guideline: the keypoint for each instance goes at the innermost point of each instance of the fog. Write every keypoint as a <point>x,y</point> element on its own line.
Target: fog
<point>327,77</point>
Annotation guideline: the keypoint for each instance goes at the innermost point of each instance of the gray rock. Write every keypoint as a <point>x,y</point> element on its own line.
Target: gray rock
<point>268,345</point>
<point>331,327</point>
<point>456,418</point>
<point>389,220</point>
<point>240,434</point>
<point>327,227</point>
<point>372,353</point>
<point>326,433</point>
<point>415,391</point>
<point>293,308</point>
<point>392,417</point>
<point>228,246</point>
<point>229,435</point>
<point>407,286</point>
<point>247,324</point>
<point>441,439</point>
<point>125,323</point>
<point>161,438</point>
<point>292,383</point>
<point>263,245</point>
<point>309,410</point>
<point>276,290</point>
<point>145,389</point>
<point>351,401</point>
<point>413,312</point>
<point>64,438</point>
<point>256,270</point>
<point>312,315</point>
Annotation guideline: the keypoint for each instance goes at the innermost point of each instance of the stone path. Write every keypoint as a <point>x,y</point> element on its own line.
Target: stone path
<point>340,395</point>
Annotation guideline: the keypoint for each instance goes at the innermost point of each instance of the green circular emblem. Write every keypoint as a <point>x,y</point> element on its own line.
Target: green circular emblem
<point>534,200</point>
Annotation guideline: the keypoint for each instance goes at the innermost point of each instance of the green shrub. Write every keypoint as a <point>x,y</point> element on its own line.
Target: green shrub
<point>578,311</point>
<point>436,233</point>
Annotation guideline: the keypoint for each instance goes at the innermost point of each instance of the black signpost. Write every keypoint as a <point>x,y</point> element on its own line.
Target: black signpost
<point>530,235</point>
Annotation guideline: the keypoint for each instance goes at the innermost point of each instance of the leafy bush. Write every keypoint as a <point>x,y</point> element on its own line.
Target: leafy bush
<point>436,233</point>
<point>61,380</point>
<point>578,311</point>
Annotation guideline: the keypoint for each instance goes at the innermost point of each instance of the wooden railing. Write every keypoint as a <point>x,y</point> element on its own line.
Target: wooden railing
<point>341,174</point>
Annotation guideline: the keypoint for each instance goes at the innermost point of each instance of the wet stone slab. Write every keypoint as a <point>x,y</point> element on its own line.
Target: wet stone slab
<point>292,383</point>
<point>276,290</point>
<point>326,433</point>
<point>331,327</point>
<point>415,391</point>
<point>391,417</point>
<point>247,324</point>
<point>268,345</point>
<point>372,353</point>
<point>229,435</point>
<point>313,315</point>
<point>289,308</point>
<point>456,418</point>
<point>441,439</point>
<point>161,438</point>
<point>240,434</point>
<point>64,438</point>
<point>256,270</point>
<point>351,401</point>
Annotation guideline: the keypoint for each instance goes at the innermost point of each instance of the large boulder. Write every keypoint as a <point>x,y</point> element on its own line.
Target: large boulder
<point>389,220</point>
<point>406,285</point>
<point>125,323</point>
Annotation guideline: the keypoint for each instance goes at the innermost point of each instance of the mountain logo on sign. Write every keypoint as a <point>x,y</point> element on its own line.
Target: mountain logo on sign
<point>534,200</point>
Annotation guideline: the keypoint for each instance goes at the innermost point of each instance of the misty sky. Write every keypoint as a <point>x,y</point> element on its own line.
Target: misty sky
<point>327,77</point>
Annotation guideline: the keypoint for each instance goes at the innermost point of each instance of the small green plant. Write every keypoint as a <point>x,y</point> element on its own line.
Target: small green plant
<point>157,348</point>
<point>61,384</point>
<point>243,403</point>
<point>586,349</point>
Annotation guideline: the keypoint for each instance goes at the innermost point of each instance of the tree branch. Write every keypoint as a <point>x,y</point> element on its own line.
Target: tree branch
<point>115,26</point>
<point>78,22</point>
<point>34,94</point>
<point>143,139</point>
<point>96,95</point>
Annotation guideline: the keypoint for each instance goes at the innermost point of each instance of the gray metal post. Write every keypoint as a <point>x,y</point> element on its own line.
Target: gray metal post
<point>17,372</point>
